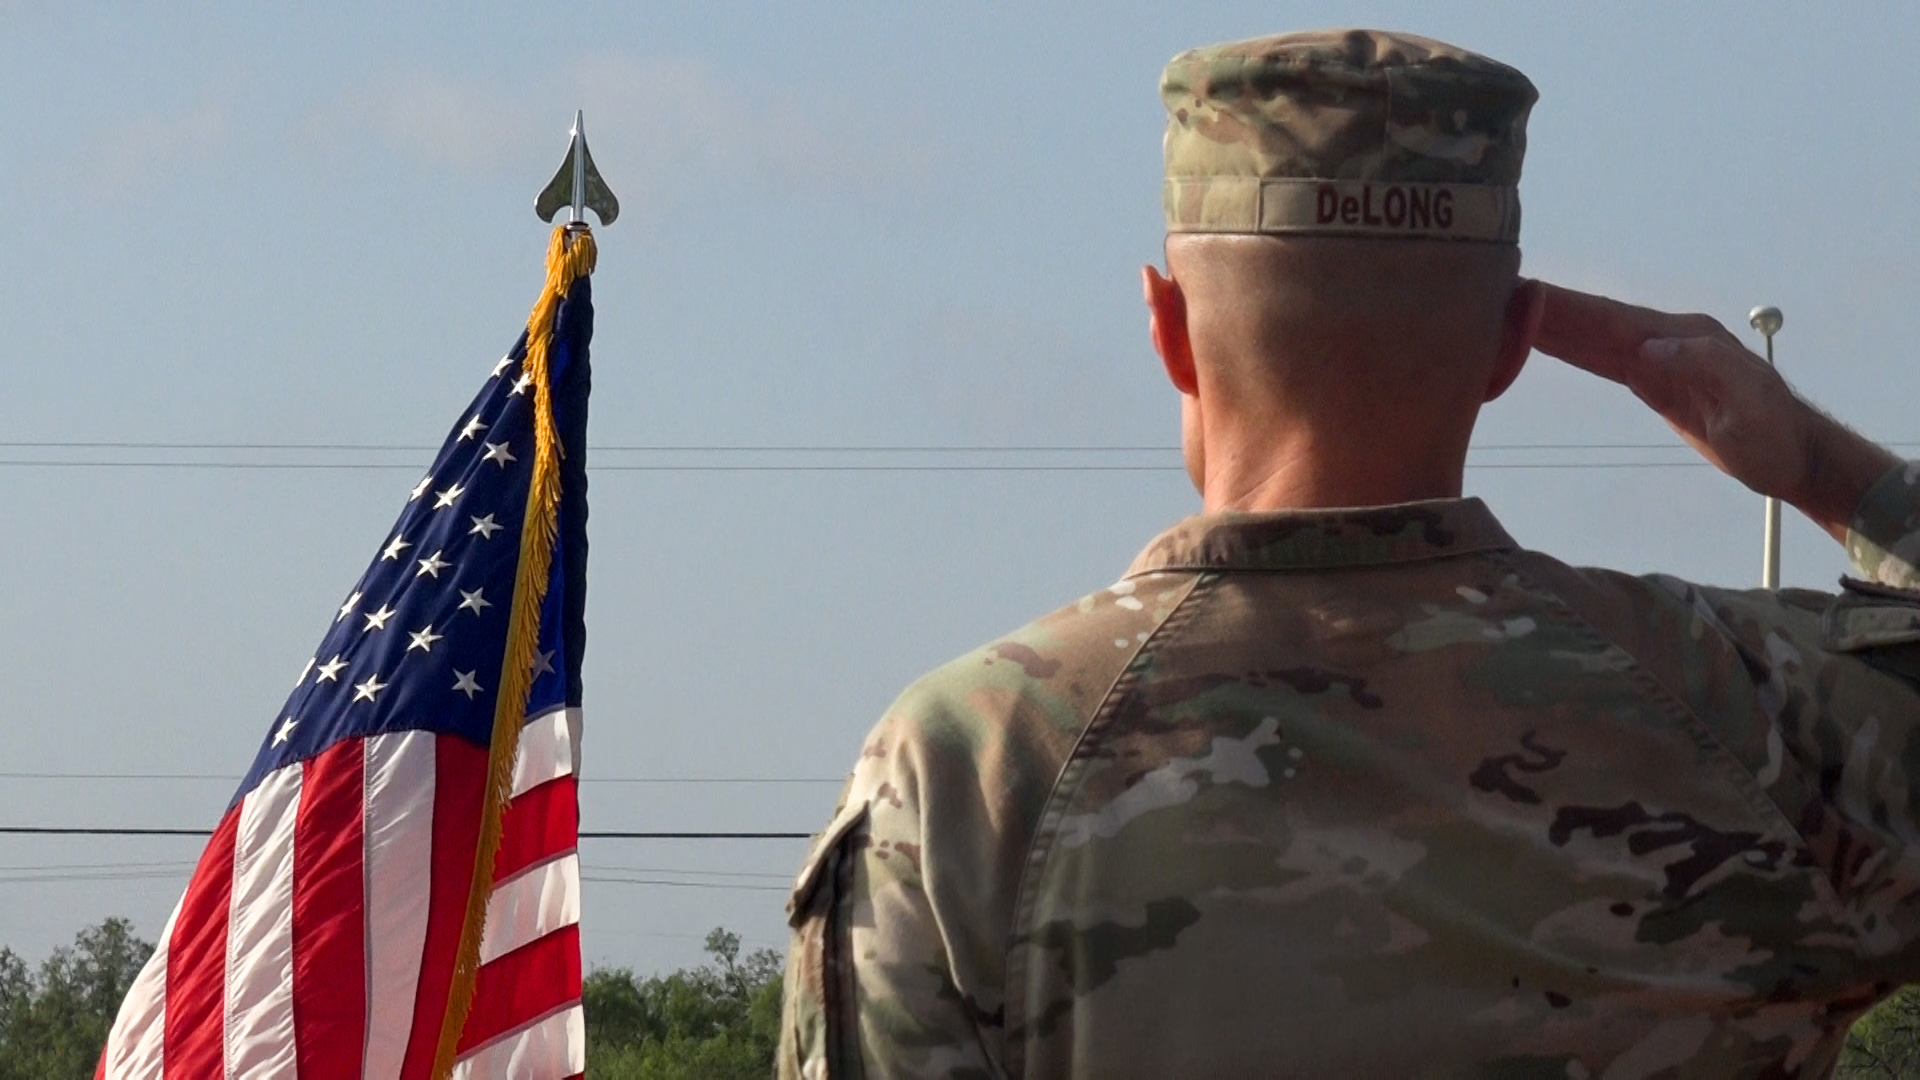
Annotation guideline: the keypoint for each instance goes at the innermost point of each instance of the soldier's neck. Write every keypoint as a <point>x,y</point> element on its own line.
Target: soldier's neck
<point>1304,469</point>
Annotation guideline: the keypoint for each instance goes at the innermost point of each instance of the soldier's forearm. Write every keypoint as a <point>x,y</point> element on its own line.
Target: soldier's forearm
<point>1842,466</point>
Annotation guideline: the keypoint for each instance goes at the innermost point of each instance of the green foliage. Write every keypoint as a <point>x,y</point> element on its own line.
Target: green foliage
<point>54,1022</point>
<point>1885,1043</point>
<point>715,1022</point>
<point>718,1021</point>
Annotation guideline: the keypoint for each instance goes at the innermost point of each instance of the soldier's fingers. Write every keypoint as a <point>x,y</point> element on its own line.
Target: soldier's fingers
<point>1583,330</point>
<point>1591,314</point>
<point>1603,335</point>
<point>1709,382</point>
<point>1670,375</point>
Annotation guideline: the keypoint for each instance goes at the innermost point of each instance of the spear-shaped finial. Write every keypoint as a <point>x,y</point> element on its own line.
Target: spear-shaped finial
<point>578,184</point>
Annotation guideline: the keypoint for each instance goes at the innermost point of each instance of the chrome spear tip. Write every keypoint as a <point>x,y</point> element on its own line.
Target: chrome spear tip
<point>578,185</point>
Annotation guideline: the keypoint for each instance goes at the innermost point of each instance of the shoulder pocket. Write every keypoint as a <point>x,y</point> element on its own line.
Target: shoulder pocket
<point>823,1020</point>
<point>823,860</point>
<point>1879,625</point>
<point>1870,616</point>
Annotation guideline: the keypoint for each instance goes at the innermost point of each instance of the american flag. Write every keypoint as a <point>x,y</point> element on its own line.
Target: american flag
<point>322,934</point>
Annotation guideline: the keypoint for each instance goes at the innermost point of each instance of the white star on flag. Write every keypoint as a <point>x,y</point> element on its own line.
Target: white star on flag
<point>377,620</point>
<point>498,453</point>
<point>520,384</point>
<point>286,731</point>
<point>432,565</point>
<point>485,527</point>
<point>424,638</point>
<point>474,427</point>
<point>420,488</point>
<point>444,499</point>
<point>346,609</point>
<point>330,671</point>
<point>543,663</point>
<point>504,363</point>
<point>394,549</point>
<point>464,684</point>
<point>365,691</point>
<point>473,600</point>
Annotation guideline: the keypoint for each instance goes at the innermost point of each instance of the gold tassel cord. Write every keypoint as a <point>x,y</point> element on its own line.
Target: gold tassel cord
<point>570,256</point>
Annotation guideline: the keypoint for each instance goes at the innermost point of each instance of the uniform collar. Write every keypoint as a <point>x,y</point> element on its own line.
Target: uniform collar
<point>1325,539</point>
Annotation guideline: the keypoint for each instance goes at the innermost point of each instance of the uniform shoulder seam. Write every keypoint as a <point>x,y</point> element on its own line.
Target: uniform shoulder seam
<point>1039,849</point>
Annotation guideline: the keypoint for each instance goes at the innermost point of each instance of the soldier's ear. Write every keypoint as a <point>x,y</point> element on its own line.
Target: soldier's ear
<point>1520,327</point>
<point>1167,324</point>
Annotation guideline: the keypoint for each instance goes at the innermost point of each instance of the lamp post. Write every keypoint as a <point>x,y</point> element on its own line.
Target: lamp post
<point>1767,320</point>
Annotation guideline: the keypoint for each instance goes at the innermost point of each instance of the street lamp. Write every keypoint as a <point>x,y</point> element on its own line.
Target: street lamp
<point>1767,320</point>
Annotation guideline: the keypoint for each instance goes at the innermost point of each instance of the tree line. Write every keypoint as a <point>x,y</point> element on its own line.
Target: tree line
<point>712,1021</point>
<point>718,1020</point>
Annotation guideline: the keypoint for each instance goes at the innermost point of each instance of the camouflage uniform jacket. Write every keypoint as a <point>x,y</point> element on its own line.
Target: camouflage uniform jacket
<point>1379,793</point>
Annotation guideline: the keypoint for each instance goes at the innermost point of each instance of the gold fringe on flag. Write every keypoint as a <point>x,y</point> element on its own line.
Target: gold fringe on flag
<point>570,256</point>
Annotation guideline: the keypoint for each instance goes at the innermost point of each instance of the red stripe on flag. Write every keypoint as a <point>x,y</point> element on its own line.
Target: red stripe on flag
<point>538,825</point>
<point>460,778</point>
<point>524,985</point>
<point>329,913</point>
<point>197,962</point>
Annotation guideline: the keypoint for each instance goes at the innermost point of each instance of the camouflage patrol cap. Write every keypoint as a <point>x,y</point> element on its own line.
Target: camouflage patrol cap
<point>1345,132</point>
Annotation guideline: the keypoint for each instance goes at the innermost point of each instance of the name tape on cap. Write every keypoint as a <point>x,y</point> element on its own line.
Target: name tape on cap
<point>1343,208</point>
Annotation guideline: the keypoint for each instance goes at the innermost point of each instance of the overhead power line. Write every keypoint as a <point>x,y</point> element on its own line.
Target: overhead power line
<point>62,873</point>
<point>301,466</point>
<point>139,454</point>
<point>730,448</point>
<point>603,879</point>
<point>222,778</point>
<point>598,834</point>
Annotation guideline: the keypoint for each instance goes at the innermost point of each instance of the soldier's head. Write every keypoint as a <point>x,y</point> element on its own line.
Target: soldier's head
<point>1343,222</point>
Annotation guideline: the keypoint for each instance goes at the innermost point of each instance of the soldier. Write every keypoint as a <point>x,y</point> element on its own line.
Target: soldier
<point>1338,780</point>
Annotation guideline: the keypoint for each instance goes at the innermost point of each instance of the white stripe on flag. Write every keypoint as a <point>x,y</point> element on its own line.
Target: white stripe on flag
<point>143,1017</point>
<point>259,1013</point>
<point>549,749</point>
<point>552,1047</point>
<point>530,905</point>
<point>398,827</point>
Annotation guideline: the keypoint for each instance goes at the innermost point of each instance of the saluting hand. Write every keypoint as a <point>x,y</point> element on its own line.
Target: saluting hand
<point>1727,403</point>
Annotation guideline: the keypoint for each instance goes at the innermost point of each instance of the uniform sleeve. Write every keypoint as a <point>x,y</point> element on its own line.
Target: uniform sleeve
<point>1884,540</point>
<point>1818,695</point>
<point>870,984</point>
<point>904,915</point>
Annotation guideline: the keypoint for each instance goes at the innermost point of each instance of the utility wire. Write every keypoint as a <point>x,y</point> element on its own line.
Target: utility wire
<point>720,448</point>
<point>584,780</point>
<point>67,830</point>
<point>602,880</point>
<point>62,873</point>
<point>591,867</point>
<point>137,462</point>
<point>308,466</point>
<point>788,467</point>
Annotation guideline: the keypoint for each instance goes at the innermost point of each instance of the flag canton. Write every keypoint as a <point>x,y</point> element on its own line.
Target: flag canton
<point>419,642</point>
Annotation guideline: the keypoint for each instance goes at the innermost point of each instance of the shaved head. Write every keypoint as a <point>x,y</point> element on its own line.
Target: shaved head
<point>1335,370</point>
<point>1338,323</point>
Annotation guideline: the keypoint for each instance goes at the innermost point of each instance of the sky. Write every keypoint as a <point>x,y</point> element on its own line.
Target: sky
<point>860,234</point>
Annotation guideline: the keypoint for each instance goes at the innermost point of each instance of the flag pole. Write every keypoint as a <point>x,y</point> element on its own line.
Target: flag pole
<point>577,150</point>
<point>1768,320</point>
<point>571,255</point>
